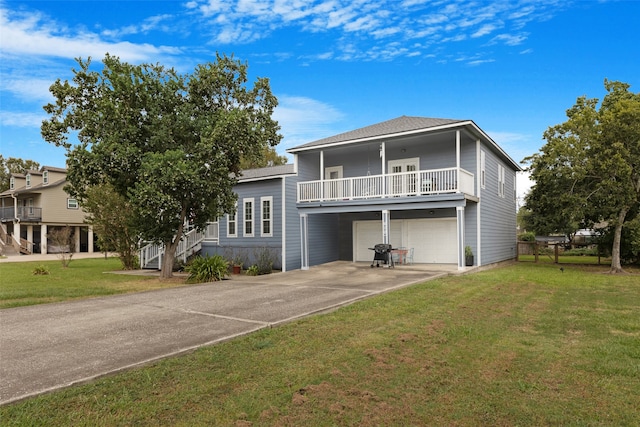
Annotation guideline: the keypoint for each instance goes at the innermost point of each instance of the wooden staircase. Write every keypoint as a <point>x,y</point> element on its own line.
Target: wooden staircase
<point>151,254</point>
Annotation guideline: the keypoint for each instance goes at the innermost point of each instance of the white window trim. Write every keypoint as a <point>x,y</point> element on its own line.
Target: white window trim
<point>12,183</point>
<point>483,170</point>
<point>28,178</point>
<point>71,203</point>
<point>262,218</point>
<point>251,219</point>
<point>45,178</point>
<point>234,221</point>
<point>328,170</point>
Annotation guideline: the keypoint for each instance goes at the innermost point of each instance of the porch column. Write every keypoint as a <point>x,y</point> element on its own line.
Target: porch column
<point>16,232</point>
<point>322,175</point>
<point>385,226</point>
<point>458,157</point>
<point>30,233</point>
<point>460,235</point>
<point>76,238</point>
<point>90,238</point>
<point>43,239</point>
<point>383,156</point>
<point>304,241</point>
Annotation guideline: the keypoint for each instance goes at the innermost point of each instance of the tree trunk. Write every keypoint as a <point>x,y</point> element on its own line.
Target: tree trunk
<point>616,266</point>
<point>168,258</point>
<point>166,271</point>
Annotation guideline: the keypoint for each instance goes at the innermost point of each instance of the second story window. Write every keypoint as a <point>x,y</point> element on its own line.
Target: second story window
<point>45,177</point>
<point>248,217</point>
<point>12,183</point>
<point>28,180</point>
<point>501,180</point>
<point>482,169</point>
<point>72,204</point>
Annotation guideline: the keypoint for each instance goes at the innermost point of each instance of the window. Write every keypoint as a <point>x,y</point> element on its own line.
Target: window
<point>28,180</point>
<point>45,177</point>
<point>232,221</point>
<point>267,218</point>
<point>248,217</point>
<point>12,183</point>
<point>72,204</point>
<point>501,181</point>
<point>482,169</point>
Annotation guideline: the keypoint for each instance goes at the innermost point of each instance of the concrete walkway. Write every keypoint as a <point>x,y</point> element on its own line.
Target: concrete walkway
<point>47,347</point>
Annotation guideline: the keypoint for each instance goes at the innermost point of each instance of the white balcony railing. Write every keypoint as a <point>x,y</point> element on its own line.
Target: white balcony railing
<point>418,183</point>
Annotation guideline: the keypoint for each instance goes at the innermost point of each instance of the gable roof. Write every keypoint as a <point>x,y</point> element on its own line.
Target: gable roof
<point>266,173</point>
<point>390,127</point>
<point>403,126</point>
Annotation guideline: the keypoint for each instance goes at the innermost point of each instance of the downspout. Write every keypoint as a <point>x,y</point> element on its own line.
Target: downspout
<point>322,175</point>
<point>383,156</point>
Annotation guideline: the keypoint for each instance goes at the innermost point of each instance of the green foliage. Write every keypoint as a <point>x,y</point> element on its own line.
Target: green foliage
<point>40,270</point>
<point>64,241</point>
<point>588,172</point>
<point>468,251</point>
<point>170,144</point>
<point>253,270</point>
<point>110,215</point>
<point>264,258</point>
<point>13,165</point>
<point>207,269</point>
<point>529,236</point>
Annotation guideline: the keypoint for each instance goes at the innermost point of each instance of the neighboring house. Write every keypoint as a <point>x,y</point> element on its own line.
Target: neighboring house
<point>434,185</point>
<point>36,204</point>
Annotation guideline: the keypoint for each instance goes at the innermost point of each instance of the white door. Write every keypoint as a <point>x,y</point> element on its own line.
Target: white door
<point>406,183</point>
<point>333,190</point>
<point>434,240</point>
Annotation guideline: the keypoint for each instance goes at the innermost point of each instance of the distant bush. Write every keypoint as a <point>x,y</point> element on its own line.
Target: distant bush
<point>581,252</point>
<point>40,270</point>
<point>207,269</point>
<point>527,237</point>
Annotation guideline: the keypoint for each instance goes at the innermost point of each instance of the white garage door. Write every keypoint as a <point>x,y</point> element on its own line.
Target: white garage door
<point>433,240</point>
<point>369,233</point>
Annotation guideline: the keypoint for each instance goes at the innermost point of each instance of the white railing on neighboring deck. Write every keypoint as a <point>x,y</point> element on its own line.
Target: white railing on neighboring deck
<point>434,181</point>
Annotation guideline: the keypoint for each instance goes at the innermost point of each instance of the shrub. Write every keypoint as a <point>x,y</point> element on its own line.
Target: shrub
<point>40,270</point>
<point>527,237</point>
<point>252,271</point>
<point>207,269</point>
<point>264,260</point>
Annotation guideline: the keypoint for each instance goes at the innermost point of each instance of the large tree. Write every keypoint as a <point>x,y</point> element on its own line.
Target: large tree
<point>589,169</point>
<point>171,144</point>
<point>14,165</point>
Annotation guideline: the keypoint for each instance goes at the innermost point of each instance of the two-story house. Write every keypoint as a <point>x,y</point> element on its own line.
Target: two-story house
<point>34,205</point>
<point>433,186</point>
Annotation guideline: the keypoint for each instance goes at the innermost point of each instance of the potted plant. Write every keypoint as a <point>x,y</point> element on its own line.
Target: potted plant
<point>237,262</point>
<point>468,256</point>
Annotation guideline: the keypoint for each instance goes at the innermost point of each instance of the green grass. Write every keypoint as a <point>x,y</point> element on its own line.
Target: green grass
<point>84,278</point>
<point>520,345</point>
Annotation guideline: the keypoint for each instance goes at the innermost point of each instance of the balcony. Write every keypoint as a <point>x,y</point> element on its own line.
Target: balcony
<point>24,213</point>
<point>416,183</point>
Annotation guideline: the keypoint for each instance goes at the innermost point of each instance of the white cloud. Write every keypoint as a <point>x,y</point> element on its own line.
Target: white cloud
<point>304,120</point>
<point>34,35</point>
<point>10,118</point>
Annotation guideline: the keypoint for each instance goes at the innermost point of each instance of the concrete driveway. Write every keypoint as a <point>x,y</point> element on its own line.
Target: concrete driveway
<point>47,347</point>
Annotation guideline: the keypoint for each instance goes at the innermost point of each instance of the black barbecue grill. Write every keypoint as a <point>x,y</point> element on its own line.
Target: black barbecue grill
<point>382,252</point>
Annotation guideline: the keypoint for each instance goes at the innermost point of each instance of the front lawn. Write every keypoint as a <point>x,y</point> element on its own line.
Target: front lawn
<point>524,345</point>
<point>84,278</point>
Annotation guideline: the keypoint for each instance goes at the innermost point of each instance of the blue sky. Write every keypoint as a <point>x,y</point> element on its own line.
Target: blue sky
<point>514,67</point>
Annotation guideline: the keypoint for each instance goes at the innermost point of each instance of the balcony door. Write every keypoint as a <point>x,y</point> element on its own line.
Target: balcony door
<point>402,180</point>
<point>333,190</point>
